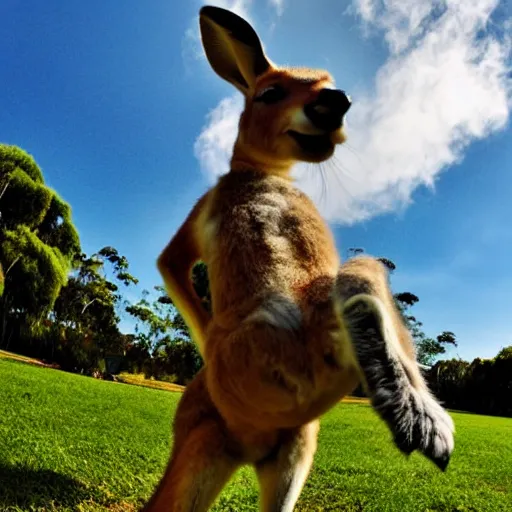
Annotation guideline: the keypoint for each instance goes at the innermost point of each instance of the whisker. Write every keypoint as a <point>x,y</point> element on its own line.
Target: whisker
<point>356,154</point>
<point>336,165</point>
<point>347,173</point>
<point>324,183</point>
<point>307,176</point>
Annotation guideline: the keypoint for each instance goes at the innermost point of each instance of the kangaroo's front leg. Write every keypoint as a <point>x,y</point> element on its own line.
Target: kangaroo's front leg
<point>175,265</point>
<point>386,357</point>
<point>274,372</point>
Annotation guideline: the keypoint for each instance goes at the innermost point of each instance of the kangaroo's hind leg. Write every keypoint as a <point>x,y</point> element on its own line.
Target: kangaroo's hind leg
<point>385,354</point>
<point>283,474</point>
<point>203,457</point>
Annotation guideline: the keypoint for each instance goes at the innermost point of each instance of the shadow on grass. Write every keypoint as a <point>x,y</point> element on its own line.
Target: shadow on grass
<point>28,488</point>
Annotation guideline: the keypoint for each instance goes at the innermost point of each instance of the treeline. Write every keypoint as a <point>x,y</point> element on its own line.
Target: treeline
<point>65,307</point>
<point>483,386</point>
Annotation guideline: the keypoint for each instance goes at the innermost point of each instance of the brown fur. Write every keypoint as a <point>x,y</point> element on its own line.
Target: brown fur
<point>277,353</point>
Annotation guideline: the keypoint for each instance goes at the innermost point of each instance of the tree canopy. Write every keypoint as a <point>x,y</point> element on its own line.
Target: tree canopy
<point>87,310</point>
<point>38,241</point>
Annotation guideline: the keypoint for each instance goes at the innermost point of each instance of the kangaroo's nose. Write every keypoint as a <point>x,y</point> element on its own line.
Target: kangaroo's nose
<point>327,111</point>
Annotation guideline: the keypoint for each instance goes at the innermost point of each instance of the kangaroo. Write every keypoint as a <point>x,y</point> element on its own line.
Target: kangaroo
<point>292,329</point>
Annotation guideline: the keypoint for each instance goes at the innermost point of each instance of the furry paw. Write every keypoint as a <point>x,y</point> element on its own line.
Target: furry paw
<point>421,423</point>
<point>415,418</point>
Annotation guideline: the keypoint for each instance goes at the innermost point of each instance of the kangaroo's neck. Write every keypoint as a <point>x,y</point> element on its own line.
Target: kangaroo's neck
<point>249,159</point>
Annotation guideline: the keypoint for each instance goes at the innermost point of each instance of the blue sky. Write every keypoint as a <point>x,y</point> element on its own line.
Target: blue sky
<point>112,99</point>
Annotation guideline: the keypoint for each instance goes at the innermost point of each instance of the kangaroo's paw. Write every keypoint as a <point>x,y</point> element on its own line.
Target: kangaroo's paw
<point>415,418</point>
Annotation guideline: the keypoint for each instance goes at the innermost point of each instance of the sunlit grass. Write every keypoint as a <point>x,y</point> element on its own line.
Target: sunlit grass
<point>76,443</point>
<point>22,359</point>
<point>140,380</point>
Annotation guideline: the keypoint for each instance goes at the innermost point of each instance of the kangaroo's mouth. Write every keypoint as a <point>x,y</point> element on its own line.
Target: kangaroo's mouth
<point>313,144</point>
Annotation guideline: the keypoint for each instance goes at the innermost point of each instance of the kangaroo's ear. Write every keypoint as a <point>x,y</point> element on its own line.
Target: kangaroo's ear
<point>232,47</point>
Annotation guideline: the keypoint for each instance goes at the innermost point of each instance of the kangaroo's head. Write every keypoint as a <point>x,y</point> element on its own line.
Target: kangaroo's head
<point>290,115</point>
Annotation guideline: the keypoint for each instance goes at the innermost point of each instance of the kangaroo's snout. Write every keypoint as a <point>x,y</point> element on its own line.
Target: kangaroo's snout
<point>327,111</point>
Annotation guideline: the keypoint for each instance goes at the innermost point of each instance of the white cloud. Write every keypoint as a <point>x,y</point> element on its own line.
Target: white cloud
<point>401,21</point>
<point>444,85</point>
<point>214,145</point>
<point>278,6</point>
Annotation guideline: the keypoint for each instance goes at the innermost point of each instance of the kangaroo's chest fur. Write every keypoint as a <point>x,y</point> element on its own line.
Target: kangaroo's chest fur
<point>263,236</point>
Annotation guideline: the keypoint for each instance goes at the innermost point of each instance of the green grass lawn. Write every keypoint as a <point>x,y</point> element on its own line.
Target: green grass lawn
<point>74,443</point>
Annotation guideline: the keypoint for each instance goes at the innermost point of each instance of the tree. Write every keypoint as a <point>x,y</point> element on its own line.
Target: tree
<point>38,242</point>
<point>86,312</point>
<point>427,349</point>
<point>502,382</point>
<point>483,386</point>
<point>388,263</point>
<point>181,360</point>
<point>153,320</point>
<point>448,381</point>
<point>119,264</point>
<point>355,251</point>
<point>2,280</point>
<point>162,334</point>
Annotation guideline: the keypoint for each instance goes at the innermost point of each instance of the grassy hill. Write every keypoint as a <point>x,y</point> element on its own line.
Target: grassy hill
<point>75,443</point>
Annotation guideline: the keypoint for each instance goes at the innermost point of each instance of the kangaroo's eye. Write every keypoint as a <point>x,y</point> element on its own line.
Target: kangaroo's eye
<point>271,94</point>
